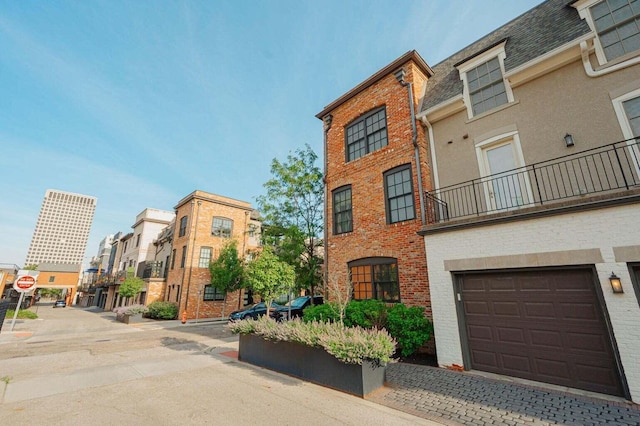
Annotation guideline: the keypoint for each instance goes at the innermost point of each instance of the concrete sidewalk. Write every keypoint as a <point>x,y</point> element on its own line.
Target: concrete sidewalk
<point>202,384</point>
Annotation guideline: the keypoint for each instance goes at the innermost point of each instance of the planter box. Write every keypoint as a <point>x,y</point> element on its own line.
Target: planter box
<point>311,364</point>
<point>129,319</point>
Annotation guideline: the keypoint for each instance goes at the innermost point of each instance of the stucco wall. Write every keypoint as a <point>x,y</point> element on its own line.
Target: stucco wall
<point>545,109</point>
<point>593,234</point>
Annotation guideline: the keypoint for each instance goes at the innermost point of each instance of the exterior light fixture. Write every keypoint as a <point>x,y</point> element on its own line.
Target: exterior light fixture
<point>616,284</point>
<point>568,139</point>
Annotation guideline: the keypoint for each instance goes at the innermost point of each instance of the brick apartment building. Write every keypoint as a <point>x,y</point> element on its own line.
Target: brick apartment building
<point>204,224</point>
<point>375,171</point>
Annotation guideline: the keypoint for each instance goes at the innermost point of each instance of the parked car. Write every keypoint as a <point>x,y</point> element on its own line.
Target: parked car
<point>296,307</point>
<point>255,311</point>
<point>60,304</point>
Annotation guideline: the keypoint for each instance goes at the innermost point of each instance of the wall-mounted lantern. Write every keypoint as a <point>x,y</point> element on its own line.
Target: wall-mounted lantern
<point>616,284</point>
<point>568,140</point>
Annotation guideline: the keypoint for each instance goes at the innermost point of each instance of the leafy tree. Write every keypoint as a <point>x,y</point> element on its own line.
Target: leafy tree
<point>292,210</point>
<point>269,276</point>
<point>227,271</point>
<point>131,287</point>
<point>32,267</point>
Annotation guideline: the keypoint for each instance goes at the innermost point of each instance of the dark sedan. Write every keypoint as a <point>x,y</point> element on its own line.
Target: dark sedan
<point>295,308</point>
<point>255,311</point>
<point>60,304</point>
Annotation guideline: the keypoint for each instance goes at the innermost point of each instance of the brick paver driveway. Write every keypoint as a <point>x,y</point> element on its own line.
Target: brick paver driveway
<point>451,397</point>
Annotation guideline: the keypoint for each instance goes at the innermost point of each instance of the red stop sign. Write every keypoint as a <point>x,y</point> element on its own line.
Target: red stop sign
<point>25,282</point>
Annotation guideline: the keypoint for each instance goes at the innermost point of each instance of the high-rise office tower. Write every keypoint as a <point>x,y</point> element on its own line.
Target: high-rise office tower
<point>62,229</point>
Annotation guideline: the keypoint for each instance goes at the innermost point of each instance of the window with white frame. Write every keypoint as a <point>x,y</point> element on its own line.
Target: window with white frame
<point>627,108</point>
<point>485,87</point>
<point>616,24</point>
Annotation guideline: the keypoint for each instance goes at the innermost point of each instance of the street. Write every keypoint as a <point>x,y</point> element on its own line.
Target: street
<point>77,366</point>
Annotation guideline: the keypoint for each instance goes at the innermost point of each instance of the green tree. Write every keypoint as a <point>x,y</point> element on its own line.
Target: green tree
<point>131,287</point>
<point>227,271</point>
<point>293,215</point>
<point>32,267</point>
<point>269,276</point>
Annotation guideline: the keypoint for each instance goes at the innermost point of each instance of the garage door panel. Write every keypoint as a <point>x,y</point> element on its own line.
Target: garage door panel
<point>551,339</point>
<point>542,325</point>
<point>475,308</point>
<point>481,332</point>
<point>487,359</point>
<point>553,369</point>
<point>544,310</point>
<point>587,342</point>
<point>510,335</point>
<point>506,309</point>
<point>579,311</point>
<point>516,363</point>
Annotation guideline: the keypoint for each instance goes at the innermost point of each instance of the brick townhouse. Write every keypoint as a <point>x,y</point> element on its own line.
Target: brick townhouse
<point>204,223</point>
<point>375,170</point>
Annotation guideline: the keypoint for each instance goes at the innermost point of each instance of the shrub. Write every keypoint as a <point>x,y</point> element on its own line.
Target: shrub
<point>162,310</point>
<point>325,313</point>
<point>131,310</point>
<point>351,345</point>
<point>409,327</point>
<point>369,313</point>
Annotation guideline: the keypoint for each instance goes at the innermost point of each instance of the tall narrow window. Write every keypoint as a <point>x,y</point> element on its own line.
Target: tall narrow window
<point>138,241</point>
<point>399,194</point>
<point>342,215</point>
<point>367,134</point>
<point>173,259</point>
<point>184,256</point>
<point>205,257</point>
<point>222,227</point>
<point>183,226</point>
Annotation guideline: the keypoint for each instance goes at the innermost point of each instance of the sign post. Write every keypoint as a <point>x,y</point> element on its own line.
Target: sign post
<point>25,282</point>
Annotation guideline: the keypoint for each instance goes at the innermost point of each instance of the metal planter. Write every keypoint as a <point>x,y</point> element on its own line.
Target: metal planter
<point>311,364</point>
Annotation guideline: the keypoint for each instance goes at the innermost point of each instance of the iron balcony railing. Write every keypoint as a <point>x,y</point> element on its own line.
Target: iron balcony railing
<point>607,168</point>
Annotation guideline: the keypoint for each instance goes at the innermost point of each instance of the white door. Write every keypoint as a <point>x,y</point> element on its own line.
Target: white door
<point>504,185</point>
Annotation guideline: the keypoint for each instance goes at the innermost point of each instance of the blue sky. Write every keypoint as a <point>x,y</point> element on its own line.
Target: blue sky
<point>139,103</point>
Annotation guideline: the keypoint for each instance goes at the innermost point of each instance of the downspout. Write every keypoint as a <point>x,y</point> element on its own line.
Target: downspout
<point>327,119</point>
<point>400,77</point>
<point>432,149</point>
<point>193,248</point>
<point>584,50</point>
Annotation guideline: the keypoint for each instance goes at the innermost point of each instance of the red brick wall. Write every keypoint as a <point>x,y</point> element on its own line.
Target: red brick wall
<point>191,278</point>
<point>372,236</point>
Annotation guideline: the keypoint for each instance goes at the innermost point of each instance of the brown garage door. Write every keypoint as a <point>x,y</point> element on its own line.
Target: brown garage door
<point>540,325</point>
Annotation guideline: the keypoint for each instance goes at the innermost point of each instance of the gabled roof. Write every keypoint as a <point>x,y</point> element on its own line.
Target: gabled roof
<point>411,55</point>
<point>532,34</point>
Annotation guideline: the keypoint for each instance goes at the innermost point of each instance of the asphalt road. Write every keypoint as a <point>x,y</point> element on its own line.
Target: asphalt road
<point>76,366</point>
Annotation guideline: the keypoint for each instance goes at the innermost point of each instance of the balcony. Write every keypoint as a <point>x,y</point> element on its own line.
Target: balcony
<point>153,270</point>
<point>606,171</point>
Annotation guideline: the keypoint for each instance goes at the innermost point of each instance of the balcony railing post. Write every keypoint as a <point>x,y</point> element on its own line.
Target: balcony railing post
<point>624,177</point>
<point>535,175</point>
<point>475,198</point>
